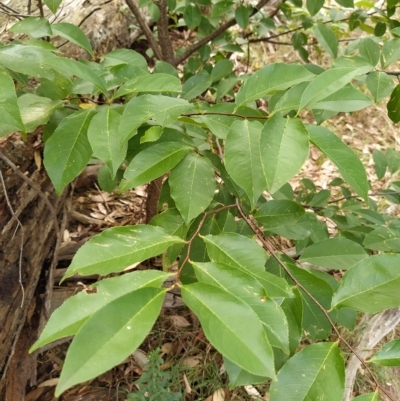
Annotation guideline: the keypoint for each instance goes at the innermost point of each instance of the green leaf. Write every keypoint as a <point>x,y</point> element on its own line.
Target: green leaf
<point>274,77</point>
<point>383,239</point>
<point>74,34</point>
<point>316,372</point>
<point>326,84</point>
<point>192,185</point>
<point>243,157</point>
<point>293,308</point>
<point>346,3</point>
<point>29,60</point>
<point>378,289</point>
<point>103,138</point>
<point>35,27</point>
<point>315,324</point>
<point>327,39</point>
<point>346,99</point>
<point>380,163</point>
<point>68,151</point>
<point>369,50</point>
<point>239,377</point>
<point>72,314</point>
<point>165,68</point>
<point>192,16</point>
<point>380,85</point>
<point>313,6</point>
<point>36,110</point>
<point>70,68</point>
<point>393,160</point>
<point>172,222</point>
<point>125,56</point>
<point>53,5</point>
<point>393,105</point>
<point>196,85</point>
<point>9,111</point>
<point>151,83</point>
<point>152,134</point>
<point>290,100</point>
<point>152,163</point>
<point>389,355</point>
<point>165,110</point>
<point>349,165</point>
<point>110,335</point>
<point>232,327</point>
<point>247,288</point>
<point>334,253</point>
<point>242,14</point>
<point>118,248</point>
<point>277,213</point>
<point>380,29</point>
<point>241,252</point>
<point>390,52</point>
<point>284,148</point>
<point>221,69</point>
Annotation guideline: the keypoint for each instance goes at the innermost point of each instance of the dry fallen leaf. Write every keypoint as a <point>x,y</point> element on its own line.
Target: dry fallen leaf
<point>219,395</point>
<point>140,358</point>
<point>166,348</point>
<point>50,382</point>
<point>179,321</point>
<point>187,385</point>
<point>191,361</point>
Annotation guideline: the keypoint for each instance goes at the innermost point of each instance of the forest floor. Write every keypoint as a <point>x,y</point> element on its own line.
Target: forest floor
<point>192,369</point>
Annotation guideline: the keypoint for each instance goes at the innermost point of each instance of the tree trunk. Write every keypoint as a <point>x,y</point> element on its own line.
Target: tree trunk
<point>29,216</point>
<point>27,243</point>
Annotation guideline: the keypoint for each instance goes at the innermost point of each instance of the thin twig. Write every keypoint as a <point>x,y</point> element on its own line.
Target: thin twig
<point>266,39</point>
<point>21,248</point>
<point>35,187</point>
<point>40,6</point>
<point>260,236</point>
<point>225,114</point>
<point>371,195</point>
<point>196,233</point>
<point>145,29</point>
<point>216,33</point>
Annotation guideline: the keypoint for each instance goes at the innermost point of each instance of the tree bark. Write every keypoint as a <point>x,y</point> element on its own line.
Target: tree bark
<point>29,212</point>
<point>27,243</point>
